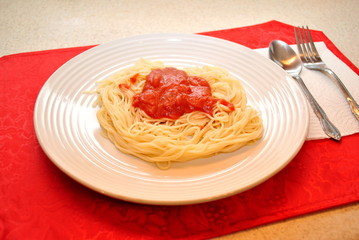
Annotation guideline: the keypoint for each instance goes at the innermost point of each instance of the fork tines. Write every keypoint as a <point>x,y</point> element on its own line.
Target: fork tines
<point>306,48</point>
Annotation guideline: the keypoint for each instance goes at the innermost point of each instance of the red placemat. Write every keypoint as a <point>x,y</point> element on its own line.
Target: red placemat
<point>38,201</point>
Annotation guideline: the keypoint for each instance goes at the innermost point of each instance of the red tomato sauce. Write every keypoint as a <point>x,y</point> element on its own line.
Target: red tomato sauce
<point>170,93</point>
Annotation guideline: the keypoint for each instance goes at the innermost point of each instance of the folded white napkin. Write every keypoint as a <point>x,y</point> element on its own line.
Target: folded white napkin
<point>328,95</point>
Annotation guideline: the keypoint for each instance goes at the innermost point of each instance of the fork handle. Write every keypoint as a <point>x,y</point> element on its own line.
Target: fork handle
<point>326,124</point>
<point>352,103</point>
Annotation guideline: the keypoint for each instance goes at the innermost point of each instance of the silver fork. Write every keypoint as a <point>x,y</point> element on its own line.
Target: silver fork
<point>311,60</point>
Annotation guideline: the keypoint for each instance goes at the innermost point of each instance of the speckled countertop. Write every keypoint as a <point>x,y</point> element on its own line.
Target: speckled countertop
<point>33,25</point>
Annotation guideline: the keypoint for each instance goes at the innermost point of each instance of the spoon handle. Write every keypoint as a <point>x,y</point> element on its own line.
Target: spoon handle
<point>327,125</point>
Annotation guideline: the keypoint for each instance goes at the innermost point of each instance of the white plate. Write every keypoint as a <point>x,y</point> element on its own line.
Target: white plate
<point>69,133</point>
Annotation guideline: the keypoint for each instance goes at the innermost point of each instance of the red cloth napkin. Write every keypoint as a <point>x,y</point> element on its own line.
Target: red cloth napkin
<point>38,201</point>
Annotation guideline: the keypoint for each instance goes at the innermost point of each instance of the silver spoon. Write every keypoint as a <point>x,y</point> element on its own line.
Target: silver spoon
<point>282,54</point>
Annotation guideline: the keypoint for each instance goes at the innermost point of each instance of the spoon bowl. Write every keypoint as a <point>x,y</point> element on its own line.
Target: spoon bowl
<point>283,55</point>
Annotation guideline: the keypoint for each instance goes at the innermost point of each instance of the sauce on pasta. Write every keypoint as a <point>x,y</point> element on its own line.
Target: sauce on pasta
<point>171,93</point>
<point>195,113</point>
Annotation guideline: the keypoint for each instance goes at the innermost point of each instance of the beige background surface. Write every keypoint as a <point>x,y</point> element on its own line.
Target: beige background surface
<point>31,25</point>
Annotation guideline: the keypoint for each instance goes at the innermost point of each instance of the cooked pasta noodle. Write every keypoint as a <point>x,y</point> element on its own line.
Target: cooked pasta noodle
<point>193,135</point>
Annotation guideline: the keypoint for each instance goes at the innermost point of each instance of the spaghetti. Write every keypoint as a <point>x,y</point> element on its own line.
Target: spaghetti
<point>195,134</point>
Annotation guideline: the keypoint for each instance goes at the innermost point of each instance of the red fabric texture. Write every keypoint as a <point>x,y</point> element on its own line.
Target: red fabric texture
<point>38,201</point>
